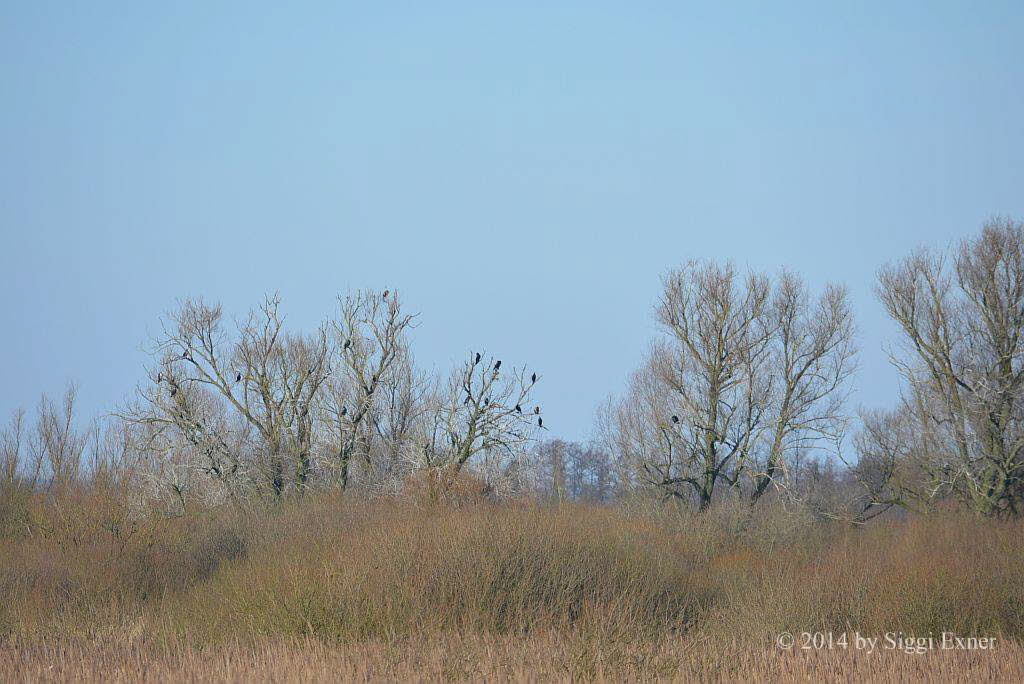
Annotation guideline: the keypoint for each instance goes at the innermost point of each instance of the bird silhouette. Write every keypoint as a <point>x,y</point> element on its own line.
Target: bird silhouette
<point>533,378</point>
<point>344,410</point>
<point>159,378</point>
<point>477,359</point>
<point>497,365</point>
<point>519,409</point>
<point>348,343</point>
<point>487,401</point>
<point>675,419</point>
<point>386,294</point>
<point>238,377</point>
<point>540,422</point>
<point>536,409</point>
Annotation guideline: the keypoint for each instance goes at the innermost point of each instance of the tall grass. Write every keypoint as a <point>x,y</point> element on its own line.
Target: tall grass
<point>572,590</point>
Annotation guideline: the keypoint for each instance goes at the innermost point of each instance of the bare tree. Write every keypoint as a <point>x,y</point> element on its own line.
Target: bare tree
<point>750,372</point>
<point>962,319</point>
<point>485,409</point>
<point>813,356</point>
<point>373,360</point>
<point>56,445</point>
<point>11,448</point>
<point>270,379</point>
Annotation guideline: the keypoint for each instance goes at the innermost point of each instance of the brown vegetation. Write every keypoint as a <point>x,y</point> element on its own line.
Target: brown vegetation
<point>322,587</point>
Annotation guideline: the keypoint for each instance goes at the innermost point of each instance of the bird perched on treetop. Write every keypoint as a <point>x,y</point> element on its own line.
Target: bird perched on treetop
<point>540,422</point>
<point>533,378</point>
<point>519,409</point>
<point>675,419</point>
<point>238,377</point>
<point>477,359</point>
<point>497,365</point>
<point>386,293</point>
<point>536,409</point>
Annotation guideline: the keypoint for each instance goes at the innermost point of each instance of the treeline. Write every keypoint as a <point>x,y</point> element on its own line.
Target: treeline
<point>744,396</point>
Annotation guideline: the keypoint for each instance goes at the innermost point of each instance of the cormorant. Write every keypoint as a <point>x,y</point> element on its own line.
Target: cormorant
<point>477,359</point>
<point>497,365</point>
<point>675,419</point>
<point>533,378</point>
<point>238,377</point>
<point>540,422</point>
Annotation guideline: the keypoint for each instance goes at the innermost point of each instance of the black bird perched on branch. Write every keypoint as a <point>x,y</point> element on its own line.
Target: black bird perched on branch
<point>477,359</point>
<point>533,378</point>
<point>238,377</point>
<point>675,419</point>
<point>540,422</point>
<point>348,343</point>
<point>344,410</point>
<point>519,409</point>
<point>159,378</point>
<point>536,409</point>
<point>497,365</point>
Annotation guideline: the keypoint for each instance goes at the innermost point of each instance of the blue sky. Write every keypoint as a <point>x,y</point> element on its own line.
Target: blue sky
<point>523,172</point>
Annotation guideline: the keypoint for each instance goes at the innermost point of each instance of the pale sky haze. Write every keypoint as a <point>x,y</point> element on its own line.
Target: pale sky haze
<point>523,172</point>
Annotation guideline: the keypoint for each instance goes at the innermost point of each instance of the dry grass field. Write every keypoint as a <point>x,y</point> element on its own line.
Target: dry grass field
<point>320,589</point>
<point>545,657</point>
